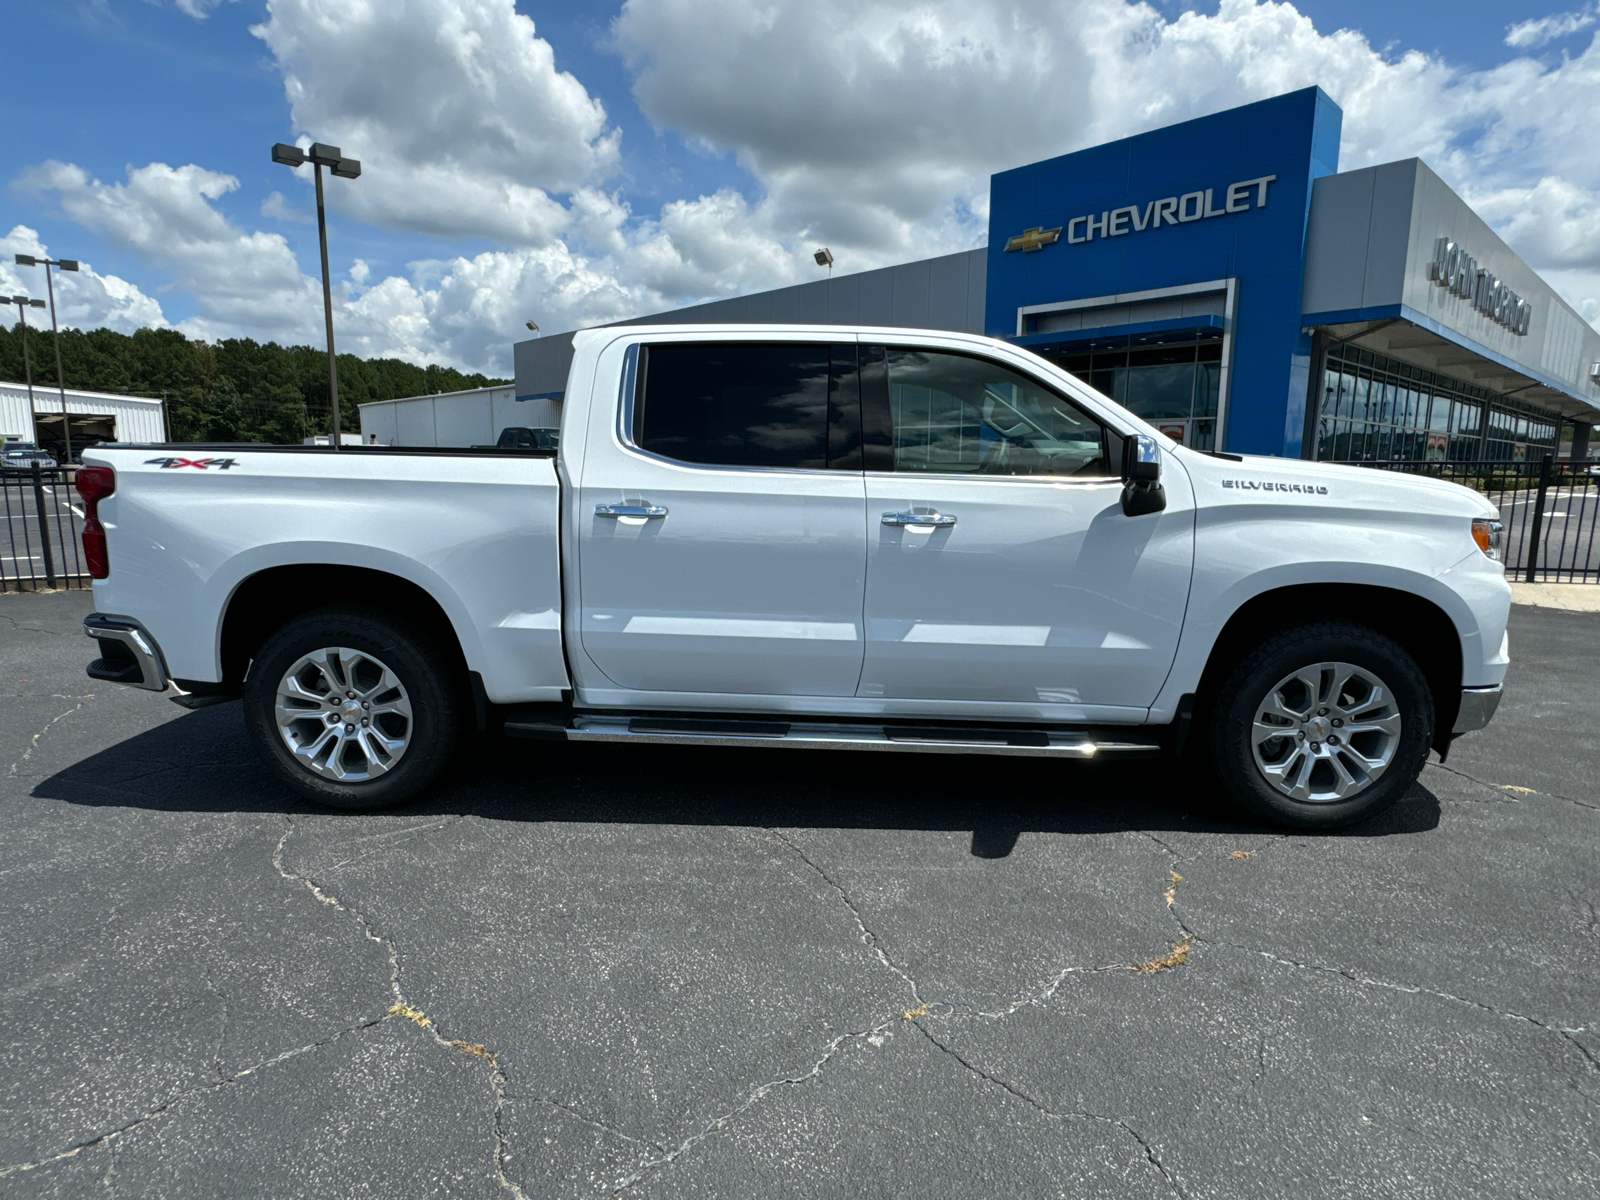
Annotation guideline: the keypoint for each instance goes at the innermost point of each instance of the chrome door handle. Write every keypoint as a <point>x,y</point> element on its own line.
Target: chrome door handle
<point>931,517</point>
<point>629,510</point>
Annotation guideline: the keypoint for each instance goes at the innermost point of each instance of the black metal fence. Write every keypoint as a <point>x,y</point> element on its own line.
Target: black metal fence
<point>1550,509</point>
<point>43,544</point>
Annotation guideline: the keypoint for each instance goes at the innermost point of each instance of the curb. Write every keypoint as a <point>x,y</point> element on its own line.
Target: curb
<point>1572,597</point>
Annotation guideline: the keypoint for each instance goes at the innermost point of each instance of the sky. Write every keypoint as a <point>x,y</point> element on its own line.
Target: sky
<point>572,163</point>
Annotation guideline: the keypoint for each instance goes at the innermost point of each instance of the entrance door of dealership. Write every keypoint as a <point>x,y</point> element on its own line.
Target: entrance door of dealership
<point>1174,385</point>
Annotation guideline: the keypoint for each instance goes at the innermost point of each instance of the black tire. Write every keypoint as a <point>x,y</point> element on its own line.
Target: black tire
<point>437,700</point>
<point>1246,691</point>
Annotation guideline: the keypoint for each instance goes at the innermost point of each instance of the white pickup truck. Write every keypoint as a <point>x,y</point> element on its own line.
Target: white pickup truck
<point>812,537</point>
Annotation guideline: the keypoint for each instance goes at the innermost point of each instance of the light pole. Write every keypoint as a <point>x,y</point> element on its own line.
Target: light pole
<point>66,264</point>
<point>320,156</point>
<point>23,304</point>
<point>824,258</point>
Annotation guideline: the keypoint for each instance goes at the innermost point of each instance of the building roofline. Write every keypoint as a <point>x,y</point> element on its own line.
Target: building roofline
<point>483,391</point>
<point>44,391</point>
<point>1405,312</point>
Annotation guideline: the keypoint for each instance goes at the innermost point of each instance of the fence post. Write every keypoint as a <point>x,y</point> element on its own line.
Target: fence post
<point>44,526</point>
<point>1538,520</point>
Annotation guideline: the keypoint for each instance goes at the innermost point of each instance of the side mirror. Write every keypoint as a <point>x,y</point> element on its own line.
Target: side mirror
<point>1142,493</point>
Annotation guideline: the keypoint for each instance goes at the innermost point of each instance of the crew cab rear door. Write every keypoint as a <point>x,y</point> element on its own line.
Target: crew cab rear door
<point>722,523</point>
<point>1002,569</point>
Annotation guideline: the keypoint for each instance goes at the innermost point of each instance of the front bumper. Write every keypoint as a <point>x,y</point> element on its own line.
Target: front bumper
<point>1477,709</point>
<point>128,654</point>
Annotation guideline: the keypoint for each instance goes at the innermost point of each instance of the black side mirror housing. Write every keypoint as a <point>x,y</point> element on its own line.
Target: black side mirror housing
<point>1142,493</point>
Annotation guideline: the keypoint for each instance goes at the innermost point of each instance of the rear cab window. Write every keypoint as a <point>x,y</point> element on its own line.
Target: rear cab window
<point>779,405</point>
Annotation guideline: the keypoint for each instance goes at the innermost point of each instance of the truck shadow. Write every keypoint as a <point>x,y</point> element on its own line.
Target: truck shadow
<point>203,762</point>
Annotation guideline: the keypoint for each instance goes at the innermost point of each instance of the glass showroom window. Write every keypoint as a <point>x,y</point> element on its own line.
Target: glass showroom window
<point>1466,430</point>
<point>1175,388</point>
<point>1518,437</point>
<point>1376,409</point>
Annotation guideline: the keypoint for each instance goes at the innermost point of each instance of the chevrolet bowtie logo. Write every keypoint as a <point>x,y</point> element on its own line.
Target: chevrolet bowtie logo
<point>1033,239</point>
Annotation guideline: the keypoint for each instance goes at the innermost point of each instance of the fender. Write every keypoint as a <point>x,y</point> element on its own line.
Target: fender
<point>217,593</point>
<point>1203,626</point>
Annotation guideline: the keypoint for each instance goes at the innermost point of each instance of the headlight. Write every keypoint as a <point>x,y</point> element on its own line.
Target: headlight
<point>1488,533</point>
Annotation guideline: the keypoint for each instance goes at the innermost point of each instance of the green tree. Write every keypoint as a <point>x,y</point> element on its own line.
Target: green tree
<point>236,390</point>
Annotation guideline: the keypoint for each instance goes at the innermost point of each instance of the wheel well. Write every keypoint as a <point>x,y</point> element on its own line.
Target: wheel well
<point>1421,627</point>
<point>269,599</point>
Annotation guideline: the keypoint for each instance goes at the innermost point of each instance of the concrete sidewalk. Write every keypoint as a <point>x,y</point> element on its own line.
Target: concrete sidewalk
<point>1573,597</point>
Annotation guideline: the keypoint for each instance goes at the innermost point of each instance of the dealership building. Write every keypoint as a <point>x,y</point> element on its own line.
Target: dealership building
<point>1226,281</point>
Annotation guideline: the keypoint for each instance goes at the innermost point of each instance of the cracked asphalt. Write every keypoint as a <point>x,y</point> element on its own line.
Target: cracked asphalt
<point>658,972</point>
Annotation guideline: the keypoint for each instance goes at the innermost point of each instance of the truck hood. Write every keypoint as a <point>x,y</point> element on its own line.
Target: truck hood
<point>1361,487</point>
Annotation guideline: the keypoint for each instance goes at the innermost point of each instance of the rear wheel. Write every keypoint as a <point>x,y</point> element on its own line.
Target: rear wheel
<point>353,709</point>
<point>1322,726</point>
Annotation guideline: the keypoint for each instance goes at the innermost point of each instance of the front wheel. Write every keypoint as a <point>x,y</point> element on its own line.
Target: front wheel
<point>1322,726</point>
<point>353,709</point>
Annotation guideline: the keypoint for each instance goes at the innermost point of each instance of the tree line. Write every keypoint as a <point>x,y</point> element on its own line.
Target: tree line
<point>234,390</point>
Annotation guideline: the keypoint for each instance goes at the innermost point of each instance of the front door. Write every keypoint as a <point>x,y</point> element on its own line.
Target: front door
<point>723,529</point>
<point>1002,570</point>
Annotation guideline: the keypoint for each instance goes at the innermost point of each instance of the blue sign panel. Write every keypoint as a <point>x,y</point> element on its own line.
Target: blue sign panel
<point>1220,199</point>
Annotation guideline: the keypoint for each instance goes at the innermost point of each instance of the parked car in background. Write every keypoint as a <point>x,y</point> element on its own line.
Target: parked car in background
<point>24,455</point>
<point>816,538</point>
<point>520,437</point>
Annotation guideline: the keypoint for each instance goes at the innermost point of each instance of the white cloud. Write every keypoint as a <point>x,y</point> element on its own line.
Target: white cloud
<point>463,312</point>
<point>1536,31</point>
<point>875,125</point>
<point>461,120</point>
<point>870,126</point>
<point>276,208</point>
<point>1554,223</point>
<point>85,299</point>
<point>199,9</point>
<point>241,282</point>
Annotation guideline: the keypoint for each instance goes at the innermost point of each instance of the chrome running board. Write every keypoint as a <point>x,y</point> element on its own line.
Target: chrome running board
<point>817,735</point>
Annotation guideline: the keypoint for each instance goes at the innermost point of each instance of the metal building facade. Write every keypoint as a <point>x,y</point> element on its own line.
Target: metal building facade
<point>108,416</point>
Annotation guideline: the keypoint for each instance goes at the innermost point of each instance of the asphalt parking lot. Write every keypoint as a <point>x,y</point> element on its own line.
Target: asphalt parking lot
<point>657,972</point>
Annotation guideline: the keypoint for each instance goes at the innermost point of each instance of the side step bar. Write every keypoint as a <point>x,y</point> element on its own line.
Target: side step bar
<point>818,735</point>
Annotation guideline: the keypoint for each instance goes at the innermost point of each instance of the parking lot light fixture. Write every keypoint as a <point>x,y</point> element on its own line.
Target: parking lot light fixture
<point>62,264</point>
<point>23,304</point>
<point>323,155</point>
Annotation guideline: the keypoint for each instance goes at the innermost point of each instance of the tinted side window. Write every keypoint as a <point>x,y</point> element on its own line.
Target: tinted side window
<point>955,414</point>
<point>741,404</point>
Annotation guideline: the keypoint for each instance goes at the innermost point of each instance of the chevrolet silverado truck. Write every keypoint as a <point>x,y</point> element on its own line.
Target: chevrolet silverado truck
<point>809,537</point>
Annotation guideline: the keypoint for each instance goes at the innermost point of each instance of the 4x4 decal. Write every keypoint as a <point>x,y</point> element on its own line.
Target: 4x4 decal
<point>166,464</point>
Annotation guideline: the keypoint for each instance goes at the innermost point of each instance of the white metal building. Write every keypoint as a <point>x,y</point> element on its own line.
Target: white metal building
<point>95,416</point>
<point>470,418</point>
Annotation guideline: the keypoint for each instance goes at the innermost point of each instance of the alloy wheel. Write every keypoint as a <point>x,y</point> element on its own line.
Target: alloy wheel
<point>343,714</point>
<point>1326,732</point>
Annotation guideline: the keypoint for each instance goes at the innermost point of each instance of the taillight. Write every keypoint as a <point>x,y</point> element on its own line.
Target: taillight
<point>94,484</point>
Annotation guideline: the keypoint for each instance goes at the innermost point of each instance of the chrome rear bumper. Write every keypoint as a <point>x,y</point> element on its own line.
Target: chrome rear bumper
<point>128,654</point>
<point>1477,708</point>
